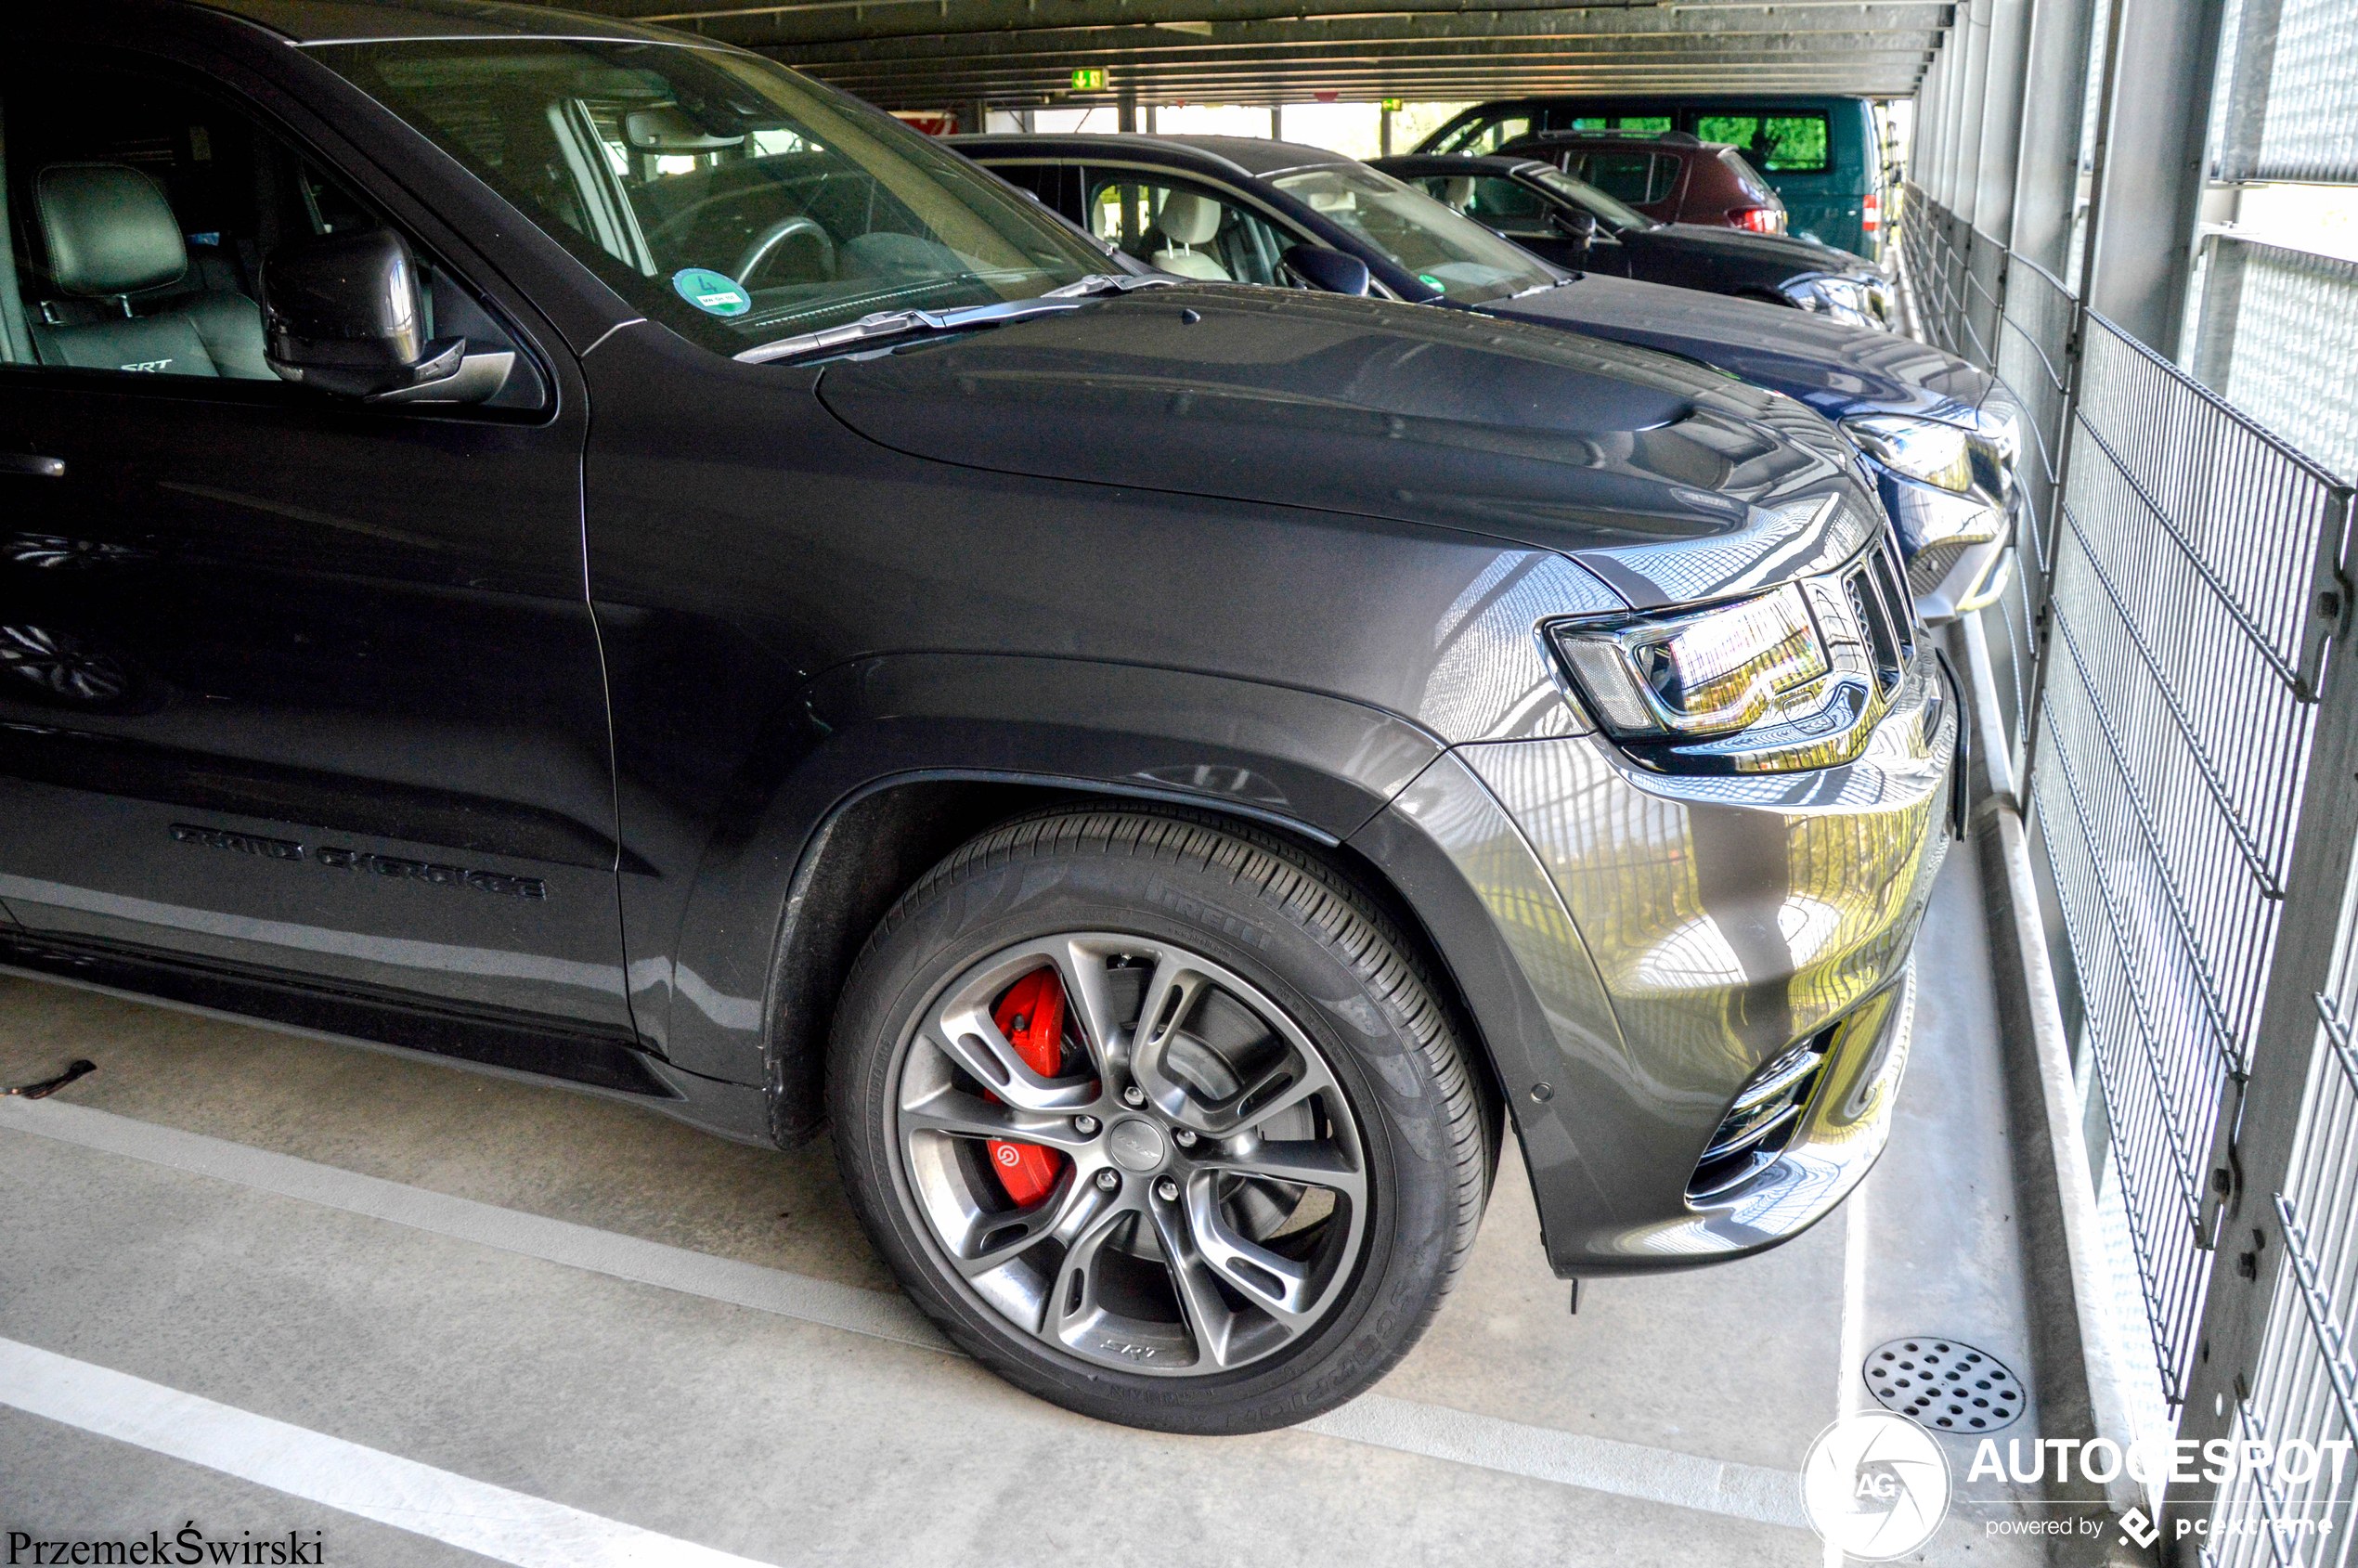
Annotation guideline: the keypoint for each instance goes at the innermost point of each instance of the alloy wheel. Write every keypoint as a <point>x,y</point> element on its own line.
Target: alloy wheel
<point>1176,1184</point>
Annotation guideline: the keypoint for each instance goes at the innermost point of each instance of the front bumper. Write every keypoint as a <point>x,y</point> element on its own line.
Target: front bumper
<point>1654,942</point>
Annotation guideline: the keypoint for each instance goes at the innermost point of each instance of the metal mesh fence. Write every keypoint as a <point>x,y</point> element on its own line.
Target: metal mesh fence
<point>2179,583</point>
<point>2176,726</point>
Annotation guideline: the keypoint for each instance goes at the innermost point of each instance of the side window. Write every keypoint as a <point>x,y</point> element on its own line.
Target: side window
<point>1496,134</point>
<point>1181,227</point>
<point>1477,137</point>
<point>1781,144</point>
<point>1635,177</point>
<point>140,211</point>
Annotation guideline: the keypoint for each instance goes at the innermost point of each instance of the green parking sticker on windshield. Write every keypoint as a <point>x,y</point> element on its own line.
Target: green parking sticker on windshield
<point>1430,281</point>
<point>714,294</point>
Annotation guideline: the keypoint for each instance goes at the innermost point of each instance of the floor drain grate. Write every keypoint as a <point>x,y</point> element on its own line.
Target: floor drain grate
<point>1945,1385</point>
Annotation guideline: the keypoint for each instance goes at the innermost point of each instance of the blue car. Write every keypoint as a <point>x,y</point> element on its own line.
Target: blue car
<point>1940,438</point>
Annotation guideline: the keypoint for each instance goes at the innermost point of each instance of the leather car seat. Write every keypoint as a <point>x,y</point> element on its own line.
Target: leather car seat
<point>1457,192</point>
<point>110,233</point>
<point>1188,220</point>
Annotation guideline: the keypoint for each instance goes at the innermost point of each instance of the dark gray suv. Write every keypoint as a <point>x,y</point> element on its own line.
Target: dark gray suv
<point>579,552</point>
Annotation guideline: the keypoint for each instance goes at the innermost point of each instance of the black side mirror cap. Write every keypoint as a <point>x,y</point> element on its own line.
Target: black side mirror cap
<point>344,313</point>
<point>1580,229</point>
<point>1328,271</point>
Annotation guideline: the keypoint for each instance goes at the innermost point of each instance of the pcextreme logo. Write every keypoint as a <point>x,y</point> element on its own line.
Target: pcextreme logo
<point>1875,1486</point>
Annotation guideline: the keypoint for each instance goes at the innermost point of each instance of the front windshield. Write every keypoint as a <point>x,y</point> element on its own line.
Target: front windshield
<point>720,194</point>
<point>1445,249</point>
<point>1586,195</point>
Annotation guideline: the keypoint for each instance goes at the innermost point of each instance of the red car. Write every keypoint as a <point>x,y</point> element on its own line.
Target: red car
<point>1671,177</point>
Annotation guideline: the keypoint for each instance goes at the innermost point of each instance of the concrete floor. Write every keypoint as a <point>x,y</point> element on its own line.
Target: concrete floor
<point>642,1393</point>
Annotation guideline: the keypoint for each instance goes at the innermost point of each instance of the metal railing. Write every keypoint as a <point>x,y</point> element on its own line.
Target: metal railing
<point>2182,585</point>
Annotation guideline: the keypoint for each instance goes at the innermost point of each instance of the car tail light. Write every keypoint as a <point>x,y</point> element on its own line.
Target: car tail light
<point>1760,220</point>
<point>1872,219</point>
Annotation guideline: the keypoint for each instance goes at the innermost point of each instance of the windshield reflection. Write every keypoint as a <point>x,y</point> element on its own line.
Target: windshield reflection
<point>725,196</point>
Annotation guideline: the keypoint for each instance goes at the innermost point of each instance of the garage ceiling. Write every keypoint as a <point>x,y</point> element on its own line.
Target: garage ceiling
<point>941,54</point>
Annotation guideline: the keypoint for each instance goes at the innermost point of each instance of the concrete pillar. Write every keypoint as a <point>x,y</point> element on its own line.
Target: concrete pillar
<point>2002,117</point>
<point>2151,181</point>
<point>1127,114</point>
<point>1924,147</point>
<point>1971,111</point>
<point>1277,122</point>
<point>1952,119</point>
<point>2055,92</point>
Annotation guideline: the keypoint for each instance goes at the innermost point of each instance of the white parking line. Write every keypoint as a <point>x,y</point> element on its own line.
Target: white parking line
<point>1850,1384</point>
<point>1747,1491</point>
<point>533,1236</point>
<point>487,1520</point>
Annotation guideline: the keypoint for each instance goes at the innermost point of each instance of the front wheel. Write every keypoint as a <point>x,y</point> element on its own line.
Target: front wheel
<point>1157,1117</point>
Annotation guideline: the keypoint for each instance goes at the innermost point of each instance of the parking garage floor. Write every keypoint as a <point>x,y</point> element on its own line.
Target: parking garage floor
<point>269,1284</point>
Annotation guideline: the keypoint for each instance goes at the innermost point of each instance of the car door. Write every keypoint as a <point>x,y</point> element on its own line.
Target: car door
<point>291,687</point>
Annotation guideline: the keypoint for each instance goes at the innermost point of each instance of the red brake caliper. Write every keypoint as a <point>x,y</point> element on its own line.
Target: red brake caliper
<point>1032,1018</point>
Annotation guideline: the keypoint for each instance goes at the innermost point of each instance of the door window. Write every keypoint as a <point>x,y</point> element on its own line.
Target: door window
<point>144,211</point>
<point>1780,144</point>
<point>1182,228</point>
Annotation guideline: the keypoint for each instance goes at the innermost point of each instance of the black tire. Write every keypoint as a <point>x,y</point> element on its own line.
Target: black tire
<point>1309,941</point>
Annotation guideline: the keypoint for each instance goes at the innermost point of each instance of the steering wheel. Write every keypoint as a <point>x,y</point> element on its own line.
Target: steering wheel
<point>758,254</point>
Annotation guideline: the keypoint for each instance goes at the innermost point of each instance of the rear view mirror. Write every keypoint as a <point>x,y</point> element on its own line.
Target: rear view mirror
<point>343,313</point>
<point>668,130</point>
<point>1328,271</point>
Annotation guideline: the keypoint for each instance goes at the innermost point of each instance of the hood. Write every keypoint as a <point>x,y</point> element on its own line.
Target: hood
<point>1788,250</point>
<point>1388,411</point>
<point>1835,368</point>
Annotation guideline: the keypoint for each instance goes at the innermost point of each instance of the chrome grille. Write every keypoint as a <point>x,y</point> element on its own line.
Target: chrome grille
<point>1886,616</point>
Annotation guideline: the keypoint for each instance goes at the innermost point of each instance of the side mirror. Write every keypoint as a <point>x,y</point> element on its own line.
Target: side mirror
<point>1580,228</point>
<point>1327,271</point>
<point>343,313</point>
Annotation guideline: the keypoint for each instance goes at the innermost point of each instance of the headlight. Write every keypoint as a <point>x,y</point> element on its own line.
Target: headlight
<point>1997,440</point>
<point>1795,678</point>
<point>1702,673</point>
<point>1843,299</point>
<point>1938,454</point>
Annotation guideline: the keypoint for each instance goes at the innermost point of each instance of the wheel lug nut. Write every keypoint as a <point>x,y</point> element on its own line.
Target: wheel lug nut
<point>1133,1096</point>
<point>1110,1181</point>
<point>1168,1190</point>
<point>1182,1137</point>
<point>1085,1125</point>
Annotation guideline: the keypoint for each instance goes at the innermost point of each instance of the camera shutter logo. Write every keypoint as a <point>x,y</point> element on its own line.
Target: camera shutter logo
<point>1875,1485</point>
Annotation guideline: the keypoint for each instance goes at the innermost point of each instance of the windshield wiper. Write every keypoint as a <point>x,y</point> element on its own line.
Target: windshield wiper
<point>896,323</point>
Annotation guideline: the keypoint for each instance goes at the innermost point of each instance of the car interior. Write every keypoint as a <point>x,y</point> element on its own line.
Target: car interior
<point>1184,230</point>
<point>139,214</point>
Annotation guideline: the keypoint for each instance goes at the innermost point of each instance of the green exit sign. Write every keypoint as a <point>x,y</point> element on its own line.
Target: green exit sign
<point>1088,81</point>
<point>1392,106</point>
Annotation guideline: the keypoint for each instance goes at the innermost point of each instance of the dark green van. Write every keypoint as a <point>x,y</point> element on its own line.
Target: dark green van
<point>1821,153</point>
